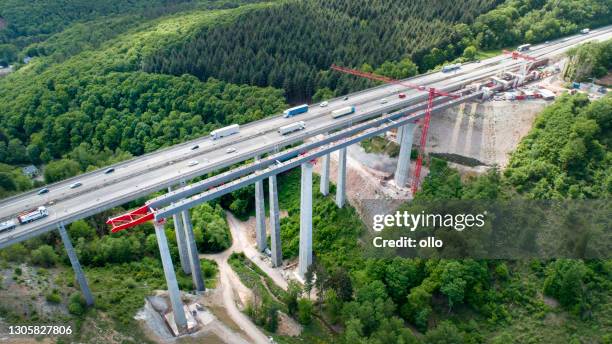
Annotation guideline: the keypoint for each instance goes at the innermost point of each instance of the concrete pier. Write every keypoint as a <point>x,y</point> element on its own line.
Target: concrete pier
<point>173,289</point>
<point>325,176</point>
<point>341,186</point>
<point>275,239</point>
<point>260,217</point>
<point>76,266</point>
<point>403,161</point>
<point>192,249</point>
<point>180,241</point>
<point>305,258</point>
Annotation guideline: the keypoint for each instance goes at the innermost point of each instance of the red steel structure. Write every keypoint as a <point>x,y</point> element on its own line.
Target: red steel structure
<point>131,219</point>
<point>516,55</point>
<point>433,93</point>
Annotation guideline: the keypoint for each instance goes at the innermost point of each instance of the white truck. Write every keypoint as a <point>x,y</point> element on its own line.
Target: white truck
<point>289,128</point>
<point>33,215</point>
<point>7,225</point>
<point>343,112</point>
<point>225,131</point>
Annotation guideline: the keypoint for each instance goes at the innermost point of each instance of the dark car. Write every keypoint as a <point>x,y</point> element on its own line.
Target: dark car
<point>43,191</point>
<point>109,170</point>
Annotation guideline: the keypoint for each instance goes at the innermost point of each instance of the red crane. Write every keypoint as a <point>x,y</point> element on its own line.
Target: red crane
<point>433,93</point>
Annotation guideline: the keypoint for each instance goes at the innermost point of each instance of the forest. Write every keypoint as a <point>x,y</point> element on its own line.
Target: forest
<point>275,47</point>
<point>23,23</point>
<point>96,107</point>
<point>291,45</point>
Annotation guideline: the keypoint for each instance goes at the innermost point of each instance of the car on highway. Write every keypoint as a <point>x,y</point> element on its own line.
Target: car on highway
<point>109,170</point>
<point>195,147</point>
<point>192,163</point>
<point>345,98</point>
<point>324,104</point>
<point>75,185</point>
<point>402,95</point>
<point>230,150</point>
<point>383,101</point>
<point>43,191</point>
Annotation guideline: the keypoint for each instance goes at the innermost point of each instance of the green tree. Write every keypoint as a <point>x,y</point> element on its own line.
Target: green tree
<point>61,169</point>
<point>304,311</point>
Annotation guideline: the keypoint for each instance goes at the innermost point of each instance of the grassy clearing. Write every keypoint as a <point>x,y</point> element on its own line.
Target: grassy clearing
<point>380,145</point>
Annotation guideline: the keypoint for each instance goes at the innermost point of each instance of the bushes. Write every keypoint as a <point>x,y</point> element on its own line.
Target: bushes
<point>77,304</point>
<point>44,256</point>
<point>566,281</point>
<point>304,311</point>
<point>53,297</point>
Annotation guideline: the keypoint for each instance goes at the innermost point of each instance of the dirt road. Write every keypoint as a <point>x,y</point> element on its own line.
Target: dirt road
<point>231,287</point>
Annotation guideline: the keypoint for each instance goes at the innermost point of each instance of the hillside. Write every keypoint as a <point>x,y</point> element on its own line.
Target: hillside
<point>292,45</point>
<point>97,106</point>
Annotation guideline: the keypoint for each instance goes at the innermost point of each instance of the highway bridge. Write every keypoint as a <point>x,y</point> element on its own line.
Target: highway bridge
<point>167,168</point>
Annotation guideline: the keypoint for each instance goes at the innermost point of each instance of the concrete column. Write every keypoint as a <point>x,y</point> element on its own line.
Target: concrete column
<point>180,241</point>
<point>192,250</point>
<point>325,176</point>
<point>341,185</point>
<point>305,258</point>
<point>76,266</point>
<point>403,161</point>
<point>277,256</point>
<point>260,217</point>
<point>400,132</point>
<point>173,289</point>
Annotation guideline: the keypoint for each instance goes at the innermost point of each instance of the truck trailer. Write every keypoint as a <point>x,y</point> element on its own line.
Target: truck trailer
<point>343,112</point>
<point>295,110</point>
<point>284,130</point>
<point>7,225</point>
<point>33,215</point>
<point>225,131</point>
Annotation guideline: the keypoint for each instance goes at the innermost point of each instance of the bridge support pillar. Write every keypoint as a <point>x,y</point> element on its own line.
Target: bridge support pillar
<point>260,216</point>
<point>277,256</point>
<point>173,289</point>
<point>305,258</point>
<point>400,132</point>
<point>325,176</point>
<point>341,186</point>
<point>76,266</point>
<point>403,161</point>
<point>180,241</point>
<point>192,249</point>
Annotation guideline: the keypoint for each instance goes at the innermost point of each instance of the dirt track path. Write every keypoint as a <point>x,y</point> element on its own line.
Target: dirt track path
<point>231,287</point>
